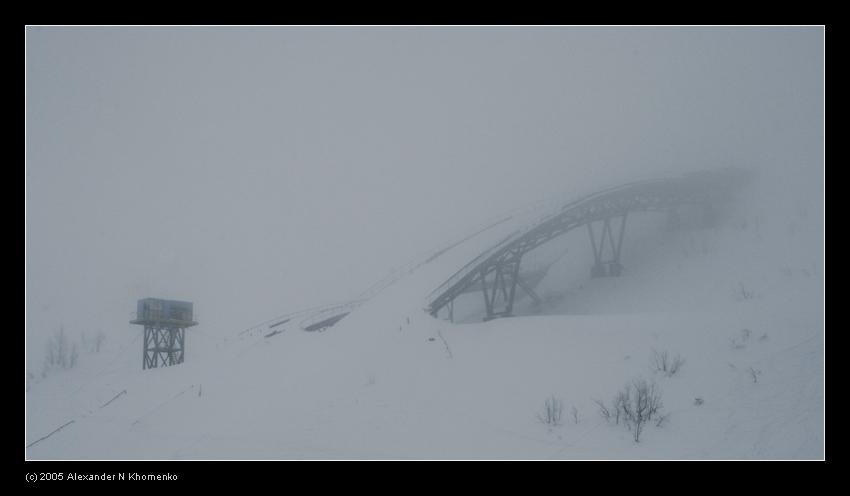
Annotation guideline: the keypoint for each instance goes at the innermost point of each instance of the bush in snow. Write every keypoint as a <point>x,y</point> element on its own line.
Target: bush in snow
<point>754,374</point>
<point>665,363</point>
<point>640,401</point>
<point>744,294</point>
<point>739,341</point>
<point>551,414</point>
<point>59,352</point>
<point>635,405</point>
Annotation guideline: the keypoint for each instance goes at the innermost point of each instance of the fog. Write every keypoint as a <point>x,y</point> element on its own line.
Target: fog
<point>256,171</point>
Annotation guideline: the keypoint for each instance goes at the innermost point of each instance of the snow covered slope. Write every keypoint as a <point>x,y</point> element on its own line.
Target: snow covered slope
<point>741,303</point>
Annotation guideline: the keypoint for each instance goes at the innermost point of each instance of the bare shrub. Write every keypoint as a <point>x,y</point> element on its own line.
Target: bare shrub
<point>754,374</point>
<point>645,403</point>
<point>622,402</point>
<point>99,339</point>
<point>739,341</point>
<point>636,404</point>
<point>59,352</point>
<point>551,414</point>
<point>744,293</point>
<point>665,363</point>
<point>574,412</point>
<point>676,364</point>
<point>72,356</point>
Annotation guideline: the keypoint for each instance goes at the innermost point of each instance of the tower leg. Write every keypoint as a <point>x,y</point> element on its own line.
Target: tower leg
<point>181,338</point>
<point>147,363</point>
<point>163,347</point>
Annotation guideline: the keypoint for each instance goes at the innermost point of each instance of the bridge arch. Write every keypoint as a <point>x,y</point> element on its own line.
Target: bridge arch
<point>496,271</point>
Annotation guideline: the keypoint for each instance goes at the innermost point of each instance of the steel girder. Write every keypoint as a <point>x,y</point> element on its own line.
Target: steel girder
<point>497,269</point>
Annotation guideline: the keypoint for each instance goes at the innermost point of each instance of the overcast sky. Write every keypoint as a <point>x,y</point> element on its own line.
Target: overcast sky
<point>256,171</point>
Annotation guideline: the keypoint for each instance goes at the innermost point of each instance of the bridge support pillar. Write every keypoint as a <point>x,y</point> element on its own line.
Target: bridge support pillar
<point>499,300</point>
<point>602,266</point>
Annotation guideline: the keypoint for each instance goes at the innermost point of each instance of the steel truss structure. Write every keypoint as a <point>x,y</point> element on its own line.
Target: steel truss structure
<point>496,272</point>
<point>163,346</point>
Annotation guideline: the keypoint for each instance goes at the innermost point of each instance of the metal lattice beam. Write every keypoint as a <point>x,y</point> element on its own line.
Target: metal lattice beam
<point>163,346</point>
<point>503,260</point>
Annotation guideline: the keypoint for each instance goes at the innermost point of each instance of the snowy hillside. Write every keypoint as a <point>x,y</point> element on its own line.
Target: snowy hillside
<point>740,303</point>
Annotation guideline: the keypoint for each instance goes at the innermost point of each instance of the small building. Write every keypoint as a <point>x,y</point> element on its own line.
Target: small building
<point>157,311</point>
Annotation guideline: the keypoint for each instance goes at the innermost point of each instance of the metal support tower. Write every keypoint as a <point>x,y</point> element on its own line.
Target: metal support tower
<point>163,346</point>
<point>165,323</point>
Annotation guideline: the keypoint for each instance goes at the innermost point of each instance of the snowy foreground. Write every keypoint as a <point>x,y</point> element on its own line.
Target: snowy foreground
<point>391,382</point>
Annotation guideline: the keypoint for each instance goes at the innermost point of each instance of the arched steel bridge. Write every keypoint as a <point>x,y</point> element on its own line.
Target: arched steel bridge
<point>496,271</point>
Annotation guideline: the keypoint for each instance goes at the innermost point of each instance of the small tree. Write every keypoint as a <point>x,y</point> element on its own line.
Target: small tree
<point>99,339</point>
<point>754,374</point>
<point>744,293</point>
<point>739,341</point>
<point>72,356</point>
<point>645,402</point>
<point>636,404</point>
<point>551,414</point>
<point>622,404</point>
<point>59,352</point>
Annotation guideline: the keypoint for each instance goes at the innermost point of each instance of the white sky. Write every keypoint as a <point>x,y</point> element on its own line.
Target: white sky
<point>256,171</point>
